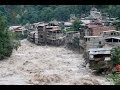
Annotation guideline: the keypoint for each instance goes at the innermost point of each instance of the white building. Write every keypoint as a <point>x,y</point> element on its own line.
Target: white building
<point>99,53</point>
<point>94,13</point>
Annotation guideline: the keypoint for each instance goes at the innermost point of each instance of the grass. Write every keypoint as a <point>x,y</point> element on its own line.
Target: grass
<point>115,77</point>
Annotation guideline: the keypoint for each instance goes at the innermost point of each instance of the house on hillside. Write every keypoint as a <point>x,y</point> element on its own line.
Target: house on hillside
<point>17,29</point>
<point>20,31</point>
<point>96,53</point>
<point>111,37</point>
<point>92,34</point>
<point>93,42</point>
<point>67,25</point>
<point>99,59</point>
<point>47,33</point>
<point>94,29</point>
<point>95,14</point>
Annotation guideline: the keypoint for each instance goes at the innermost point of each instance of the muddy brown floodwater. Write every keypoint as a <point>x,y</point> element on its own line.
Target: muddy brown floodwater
<point>46,65</point>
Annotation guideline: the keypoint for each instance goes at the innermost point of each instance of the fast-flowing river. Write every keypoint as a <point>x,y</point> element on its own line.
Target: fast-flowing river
<point>46,65</point>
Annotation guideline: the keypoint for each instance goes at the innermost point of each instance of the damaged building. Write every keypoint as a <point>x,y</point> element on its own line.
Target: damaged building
<point>55,36</point>
<point>47,33</point>
<point>20,31</point>
<point>72,40</point>
<point>99,58</point>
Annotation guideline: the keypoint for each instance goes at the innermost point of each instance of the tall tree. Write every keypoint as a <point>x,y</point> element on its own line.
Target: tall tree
<point>62,13</point>
<point>5,43</point>
<point>46,14</point>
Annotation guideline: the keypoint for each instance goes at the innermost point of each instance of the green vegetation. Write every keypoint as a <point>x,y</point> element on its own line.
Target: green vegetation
<point>115,78</point>
<point>20,36</point>
<point>5,42</point>
<point>22,14</point>
<point>115,56</point>
<point>14,40</point>
<point>76,25</point>
<point>8,40</point>
<point>117,24</point>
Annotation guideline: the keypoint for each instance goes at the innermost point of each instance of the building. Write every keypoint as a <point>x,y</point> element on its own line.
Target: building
<point>46,33</point>
<point>96,53</point>
<point>110,33</point>
<point>31,36</point>
<point>40,35</point>
<point>54,35</point>
<point>70,36</point>
<point>17,29</point>
<point>67,25</point>
<point>20,31</point>
<point>94,29</point>
<point>95,14</point>
<point>111,37</point>
<point>93,42</point>
<point>91,36</point>
<point>99,59</point>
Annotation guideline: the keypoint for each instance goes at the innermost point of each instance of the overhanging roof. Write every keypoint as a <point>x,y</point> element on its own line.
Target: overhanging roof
<point>113,38</point>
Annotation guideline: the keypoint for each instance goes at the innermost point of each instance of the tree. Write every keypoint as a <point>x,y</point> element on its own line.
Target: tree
<point>46,14</point>
<point>62,13</point>
<point>76,25</point>
<point>117,24</point>
<point>5,43</point>
<point>115,56</point>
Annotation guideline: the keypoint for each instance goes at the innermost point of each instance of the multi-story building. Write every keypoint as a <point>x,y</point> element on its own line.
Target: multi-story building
<point>111,37</point>
<point>45,33</point>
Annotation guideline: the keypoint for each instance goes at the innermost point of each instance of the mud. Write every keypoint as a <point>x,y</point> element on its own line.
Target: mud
<point>46,65</point>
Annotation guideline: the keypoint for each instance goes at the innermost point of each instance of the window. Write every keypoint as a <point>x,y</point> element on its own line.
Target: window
<point>104,33</point>
<point>99,42</point>
<point>111,33</point>
<point>114,33</point>
<point>41,36</point>
<point>88,39</point>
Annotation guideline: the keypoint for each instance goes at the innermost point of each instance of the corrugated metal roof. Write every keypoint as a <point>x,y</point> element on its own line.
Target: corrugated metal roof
<point>67,23</point>
<point>14,27</point>
<point>100,49</point>
<point>96,51</point>
<point>91,36</point>
<point>113,38</point>
<point>111,31</point>
<point>86,21</point>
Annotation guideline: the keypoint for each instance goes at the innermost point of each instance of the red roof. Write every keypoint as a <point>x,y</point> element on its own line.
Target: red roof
<point>96,30</point>
<point>95,23</point>
<point>118,67</point>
